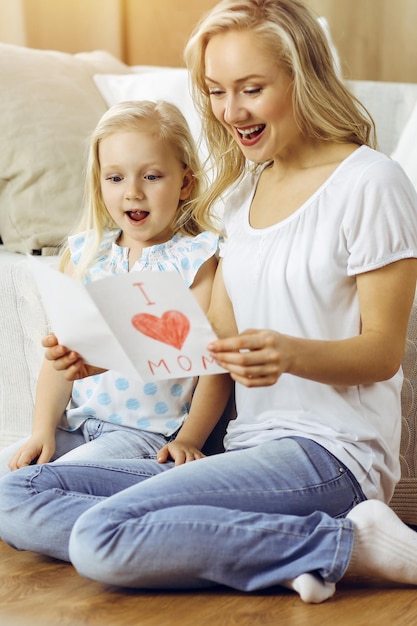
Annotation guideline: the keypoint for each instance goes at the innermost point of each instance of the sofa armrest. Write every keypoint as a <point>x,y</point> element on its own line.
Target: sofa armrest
<point>22,325</point>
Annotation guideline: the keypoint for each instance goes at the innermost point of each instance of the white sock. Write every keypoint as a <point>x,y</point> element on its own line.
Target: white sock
<point>311,588</point>
<point>384,546</point>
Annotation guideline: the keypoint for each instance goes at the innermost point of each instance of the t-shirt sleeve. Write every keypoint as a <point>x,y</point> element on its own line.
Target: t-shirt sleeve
<point>380,224</point>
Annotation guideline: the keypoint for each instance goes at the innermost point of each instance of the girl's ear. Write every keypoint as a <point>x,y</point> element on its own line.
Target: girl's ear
<point>187,184</point>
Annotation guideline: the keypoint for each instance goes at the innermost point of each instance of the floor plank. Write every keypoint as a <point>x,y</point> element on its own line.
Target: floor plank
<point>39,591</point>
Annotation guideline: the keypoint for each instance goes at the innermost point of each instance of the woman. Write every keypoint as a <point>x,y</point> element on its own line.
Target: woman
<point>311,302</point>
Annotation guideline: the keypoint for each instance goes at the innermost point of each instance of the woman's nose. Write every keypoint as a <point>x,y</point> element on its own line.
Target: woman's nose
<point>233,111</point>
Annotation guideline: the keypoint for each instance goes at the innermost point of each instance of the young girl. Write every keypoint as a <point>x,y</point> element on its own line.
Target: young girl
<point>311,302</point>
<point>142,186</point>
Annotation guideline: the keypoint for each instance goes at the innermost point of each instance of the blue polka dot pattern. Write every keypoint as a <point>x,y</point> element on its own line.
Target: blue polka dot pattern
<point>143,424</point>
<point>88,410</point>
<point>132,404</point>
<point>161,408</point>
<point>115,418</point>
<point>104,398</point>
<point>121,384</point>
<point>150,389</point>
<point>177,390</point>
<point>185,409</point>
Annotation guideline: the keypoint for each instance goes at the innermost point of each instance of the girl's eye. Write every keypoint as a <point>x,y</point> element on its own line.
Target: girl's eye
<point>152,177</point>
<point>114,179</point>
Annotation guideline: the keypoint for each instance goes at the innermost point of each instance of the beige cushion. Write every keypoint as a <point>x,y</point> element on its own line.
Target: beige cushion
<point>49,105</point>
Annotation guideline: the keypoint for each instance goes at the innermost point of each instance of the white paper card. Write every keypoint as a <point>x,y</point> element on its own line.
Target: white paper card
<point>146,325</point>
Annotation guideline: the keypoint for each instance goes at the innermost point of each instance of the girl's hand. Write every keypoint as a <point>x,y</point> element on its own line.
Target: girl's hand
<point>67,360</point>
<point>254,358</point>
<point>36,449</point>
<point>180,452</point>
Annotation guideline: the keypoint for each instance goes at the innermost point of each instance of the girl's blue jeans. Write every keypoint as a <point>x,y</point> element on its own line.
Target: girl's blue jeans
<point>96,440</point>
<point>248,519</point>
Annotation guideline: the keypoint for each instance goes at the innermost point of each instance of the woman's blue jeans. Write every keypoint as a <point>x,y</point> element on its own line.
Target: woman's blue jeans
<point>248,519</point>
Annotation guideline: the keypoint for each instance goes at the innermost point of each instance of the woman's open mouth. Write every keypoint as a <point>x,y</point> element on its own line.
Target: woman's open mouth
<point>251,134</point>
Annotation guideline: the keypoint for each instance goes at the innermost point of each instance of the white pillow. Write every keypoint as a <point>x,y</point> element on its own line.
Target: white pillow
<point>406,150</point>
<point>169,84</point>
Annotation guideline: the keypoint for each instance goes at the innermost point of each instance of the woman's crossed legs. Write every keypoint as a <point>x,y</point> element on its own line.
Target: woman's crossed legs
<point>248,519</point>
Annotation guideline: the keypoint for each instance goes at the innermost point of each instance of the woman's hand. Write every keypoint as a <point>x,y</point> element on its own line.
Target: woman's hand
<point>254,358</point>
<point>68,360</point>
<point>180,452</point>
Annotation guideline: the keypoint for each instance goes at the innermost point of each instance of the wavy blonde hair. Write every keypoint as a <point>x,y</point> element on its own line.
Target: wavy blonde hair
<point>323,107</point>
<point>165,121</point>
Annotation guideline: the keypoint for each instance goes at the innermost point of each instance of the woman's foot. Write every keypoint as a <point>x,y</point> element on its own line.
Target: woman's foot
<point>384,547</point>
<point>311,588</point>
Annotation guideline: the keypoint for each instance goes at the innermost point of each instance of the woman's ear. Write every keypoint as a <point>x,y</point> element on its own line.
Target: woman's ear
<point>187,184</point>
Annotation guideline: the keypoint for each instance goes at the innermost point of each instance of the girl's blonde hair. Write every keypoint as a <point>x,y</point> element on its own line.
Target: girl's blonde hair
<point>165,121</point>
<point>323,107</point>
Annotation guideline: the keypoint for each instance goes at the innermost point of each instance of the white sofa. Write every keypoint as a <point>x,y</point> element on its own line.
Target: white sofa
<point>50,103</point>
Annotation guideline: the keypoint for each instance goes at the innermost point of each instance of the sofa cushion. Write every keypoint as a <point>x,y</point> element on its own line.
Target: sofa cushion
<point>390,104</point>
<point>23,324</point>
<point>49,106</point>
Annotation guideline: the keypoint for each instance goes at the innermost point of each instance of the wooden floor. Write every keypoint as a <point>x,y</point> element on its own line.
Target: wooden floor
<point>39,591</point>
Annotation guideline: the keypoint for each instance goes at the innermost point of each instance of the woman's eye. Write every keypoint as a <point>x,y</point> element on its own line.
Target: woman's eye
<point>215,92</point>
<point>253,91</point>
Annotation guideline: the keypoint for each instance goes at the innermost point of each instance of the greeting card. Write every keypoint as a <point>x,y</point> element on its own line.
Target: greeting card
<point>146,325</point>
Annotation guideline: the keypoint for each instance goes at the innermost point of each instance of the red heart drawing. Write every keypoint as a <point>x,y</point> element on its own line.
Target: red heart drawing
<point>172,328</point>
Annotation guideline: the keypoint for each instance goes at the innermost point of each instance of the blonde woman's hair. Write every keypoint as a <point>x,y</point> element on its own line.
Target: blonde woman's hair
<point>324,108</point>
<point>165,121</point>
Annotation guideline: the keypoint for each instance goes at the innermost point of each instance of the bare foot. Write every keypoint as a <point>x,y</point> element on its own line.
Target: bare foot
<point>311,588</point>
<point>384,546</point>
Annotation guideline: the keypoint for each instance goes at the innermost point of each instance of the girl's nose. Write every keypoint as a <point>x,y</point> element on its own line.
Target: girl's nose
<point>134,192</point>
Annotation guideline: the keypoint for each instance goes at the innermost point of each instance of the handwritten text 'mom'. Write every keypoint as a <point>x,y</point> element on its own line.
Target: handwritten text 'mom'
<point>184,363</point>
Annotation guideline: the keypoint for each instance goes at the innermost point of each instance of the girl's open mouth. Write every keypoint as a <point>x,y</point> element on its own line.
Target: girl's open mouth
<point>137,216</point>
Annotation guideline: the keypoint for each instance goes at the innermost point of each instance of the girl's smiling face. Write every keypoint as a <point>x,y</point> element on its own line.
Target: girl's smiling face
<point>251,95</point>
<point>142,183</point>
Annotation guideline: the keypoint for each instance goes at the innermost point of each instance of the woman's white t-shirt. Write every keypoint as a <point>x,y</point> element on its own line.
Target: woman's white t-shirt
<point>298,277</point>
